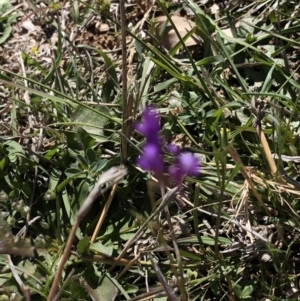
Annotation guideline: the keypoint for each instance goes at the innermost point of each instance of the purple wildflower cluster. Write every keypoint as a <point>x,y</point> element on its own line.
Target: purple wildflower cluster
<point>184,164</point>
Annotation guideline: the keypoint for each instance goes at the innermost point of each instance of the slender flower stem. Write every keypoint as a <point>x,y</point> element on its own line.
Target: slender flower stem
<point>179,274</point>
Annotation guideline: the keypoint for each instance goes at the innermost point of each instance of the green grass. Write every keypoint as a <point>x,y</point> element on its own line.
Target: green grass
<point>113,250</point>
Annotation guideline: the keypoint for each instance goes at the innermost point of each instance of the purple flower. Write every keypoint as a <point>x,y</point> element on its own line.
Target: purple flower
<point>149,127</point>
<point>151,159</point>
<point>186,164</point>
<point>189,164</point>
<point>176,173</point>
<point>173,149</point>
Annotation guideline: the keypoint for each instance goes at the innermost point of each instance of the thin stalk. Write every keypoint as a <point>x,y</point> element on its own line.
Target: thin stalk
<point>124,143</point>
<point>180,277</point>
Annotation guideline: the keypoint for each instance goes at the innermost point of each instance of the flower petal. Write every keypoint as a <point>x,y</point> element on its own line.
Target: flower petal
<point>149,127</point>
<point>173,149</point>
<point>189,164</point>
<point>176,174</point>
<point>151,159</point>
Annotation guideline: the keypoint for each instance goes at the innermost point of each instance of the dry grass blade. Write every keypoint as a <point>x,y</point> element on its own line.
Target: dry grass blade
<point>243,206</point>
<point>112,175</point>
<point>279,187</point>
<point>130,264</point>
<point>266,148</point>
<point>295,159</point>
<point>179,274</point>
<point>23,287</point>
<point>125,101</point>
<point>61,290</point>
<point>169,291</point>
<point>169,197</point>
<point>262,138</point>
<point>103,213</point>
<point>155,293</point>
<point>234,223</point>
<point>235,156</point>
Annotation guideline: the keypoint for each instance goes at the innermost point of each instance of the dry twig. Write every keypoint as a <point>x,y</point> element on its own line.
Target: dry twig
<point>112,175</point>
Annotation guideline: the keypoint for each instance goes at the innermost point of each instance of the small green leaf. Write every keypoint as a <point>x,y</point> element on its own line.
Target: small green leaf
<point>5,34</point>
<point>6,9</point>
<point>49,155</point>
<point>106,291</point>
<point>205,240</point>
<point>91,121</point>
<point>14,146</point>
<point>273,119</point>
<point>2,163</point>
<point>247,291</point>
<point>131,289</point>
<point>215,287</point>
<point>82,163</point>
<point>83,245</point>
<point>91,156</point>
<point>98,247</point>
<point>272,17</point>
<point>26,190</point>
<point>86,140</point>
<point>237,289</point>
<point>74,172</point>
<point>99,166</point>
